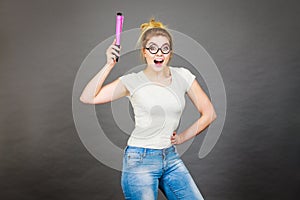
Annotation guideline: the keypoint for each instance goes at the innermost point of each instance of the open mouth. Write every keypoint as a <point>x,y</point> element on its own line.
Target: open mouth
<point>158,61</point>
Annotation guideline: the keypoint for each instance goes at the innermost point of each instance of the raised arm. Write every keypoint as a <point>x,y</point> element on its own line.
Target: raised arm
<point>94,93</point>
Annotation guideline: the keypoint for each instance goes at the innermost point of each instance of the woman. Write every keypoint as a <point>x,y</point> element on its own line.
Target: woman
<point>156,93</point>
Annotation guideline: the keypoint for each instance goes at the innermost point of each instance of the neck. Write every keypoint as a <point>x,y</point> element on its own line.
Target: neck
<point>164,73</point>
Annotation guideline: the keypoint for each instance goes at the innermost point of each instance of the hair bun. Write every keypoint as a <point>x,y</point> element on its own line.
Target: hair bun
<point>152,24</point>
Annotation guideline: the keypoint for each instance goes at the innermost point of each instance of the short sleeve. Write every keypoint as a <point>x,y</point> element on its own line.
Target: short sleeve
<point>128,82</point>
<point>188,77</point>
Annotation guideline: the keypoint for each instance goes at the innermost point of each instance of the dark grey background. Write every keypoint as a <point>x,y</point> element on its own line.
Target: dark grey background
<point>255,45</point>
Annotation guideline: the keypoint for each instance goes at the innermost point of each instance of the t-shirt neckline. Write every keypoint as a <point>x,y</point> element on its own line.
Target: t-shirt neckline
<point>160,84</point>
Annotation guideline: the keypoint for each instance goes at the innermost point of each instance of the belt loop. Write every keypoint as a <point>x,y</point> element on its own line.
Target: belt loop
<point>175,148</point>
<point>144,154</point>
<point>124,151</point>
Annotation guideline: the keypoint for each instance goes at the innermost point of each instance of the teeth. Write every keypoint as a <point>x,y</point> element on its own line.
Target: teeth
<point>158,61</point>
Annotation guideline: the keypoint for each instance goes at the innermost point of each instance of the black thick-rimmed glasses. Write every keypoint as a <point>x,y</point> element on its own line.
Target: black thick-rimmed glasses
<point>153,49</point>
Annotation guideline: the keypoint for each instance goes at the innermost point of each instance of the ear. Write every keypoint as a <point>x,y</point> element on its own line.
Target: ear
<point>171,54</point>
<point>143,56</point>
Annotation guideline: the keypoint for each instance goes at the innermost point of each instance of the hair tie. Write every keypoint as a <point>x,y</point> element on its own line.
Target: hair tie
<point>152,24</point>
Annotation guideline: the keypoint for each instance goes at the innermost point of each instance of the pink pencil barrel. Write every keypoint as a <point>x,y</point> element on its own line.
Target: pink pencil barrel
<point>119,25</point>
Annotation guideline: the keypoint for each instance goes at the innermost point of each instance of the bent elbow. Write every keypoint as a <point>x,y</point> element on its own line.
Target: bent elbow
<point>214,116</point>
<point>211,117</point>
<point>86,101</point>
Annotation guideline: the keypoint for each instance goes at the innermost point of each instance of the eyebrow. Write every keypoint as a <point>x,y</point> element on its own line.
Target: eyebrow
<point>157,45</point>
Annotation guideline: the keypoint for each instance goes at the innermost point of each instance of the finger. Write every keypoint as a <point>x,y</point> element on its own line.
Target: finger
<point>115,47</point>
<point>113,57</point>
<point>114,42</point>
<point>114,52</point>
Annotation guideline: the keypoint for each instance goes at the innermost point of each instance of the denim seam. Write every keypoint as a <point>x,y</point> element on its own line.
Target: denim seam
<point>172,190</point>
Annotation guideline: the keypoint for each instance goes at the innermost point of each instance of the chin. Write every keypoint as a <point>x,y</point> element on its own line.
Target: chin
<point>156,67</point>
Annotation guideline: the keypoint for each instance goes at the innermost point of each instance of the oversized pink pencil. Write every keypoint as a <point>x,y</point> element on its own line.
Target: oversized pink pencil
<point>119,25</point>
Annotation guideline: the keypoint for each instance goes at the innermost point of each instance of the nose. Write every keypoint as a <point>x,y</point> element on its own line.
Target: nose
<point>159,52</point>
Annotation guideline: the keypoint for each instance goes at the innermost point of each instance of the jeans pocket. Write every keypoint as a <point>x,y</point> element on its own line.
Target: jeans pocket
<point>133,159</point>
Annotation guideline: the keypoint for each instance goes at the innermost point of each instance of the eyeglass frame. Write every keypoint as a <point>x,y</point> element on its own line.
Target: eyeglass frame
<point>159,49</point>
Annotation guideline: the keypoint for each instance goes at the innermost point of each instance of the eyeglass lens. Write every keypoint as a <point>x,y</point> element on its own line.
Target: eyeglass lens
<point>165,49</point>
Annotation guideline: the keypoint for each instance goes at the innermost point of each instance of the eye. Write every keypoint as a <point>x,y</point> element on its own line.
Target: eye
<point>166,48</point>
<point>153,48</point>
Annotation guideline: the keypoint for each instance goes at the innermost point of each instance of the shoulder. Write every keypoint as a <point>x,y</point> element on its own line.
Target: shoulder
<point>128,77</point>
<point>130,81</point>
<point>183,72</point>
<point>185,75</point>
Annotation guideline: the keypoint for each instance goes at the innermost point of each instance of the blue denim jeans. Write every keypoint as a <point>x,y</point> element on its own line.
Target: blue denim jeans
<point>145,170</point>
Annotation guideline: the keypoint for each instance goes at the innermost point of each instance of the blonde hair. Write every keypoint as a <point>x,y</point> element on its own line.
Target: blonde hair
<point>150,29</point>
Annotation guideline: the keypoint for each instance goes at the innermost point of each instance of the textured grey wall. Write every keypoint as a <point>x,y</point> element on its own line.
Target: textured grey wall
<point>255,44</point>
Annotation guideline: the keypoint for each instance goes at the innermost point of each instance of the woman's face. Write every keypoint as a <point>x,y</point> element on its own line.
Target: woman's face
<point>157,52</point>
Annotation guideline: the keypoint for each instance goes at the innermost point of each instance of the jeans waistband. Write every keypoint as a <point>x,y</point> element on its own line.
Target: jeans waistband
<point>149,150</point>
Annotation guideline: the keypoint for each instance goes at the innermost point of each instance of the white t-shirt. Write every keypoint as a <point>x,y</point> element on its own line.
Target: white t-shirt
<point>157,108</point>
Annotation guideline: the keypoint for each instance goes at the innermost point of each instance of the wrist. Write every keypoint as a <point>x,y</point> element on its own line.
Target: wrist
<point>181,138</point>
<point>110,64</point>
